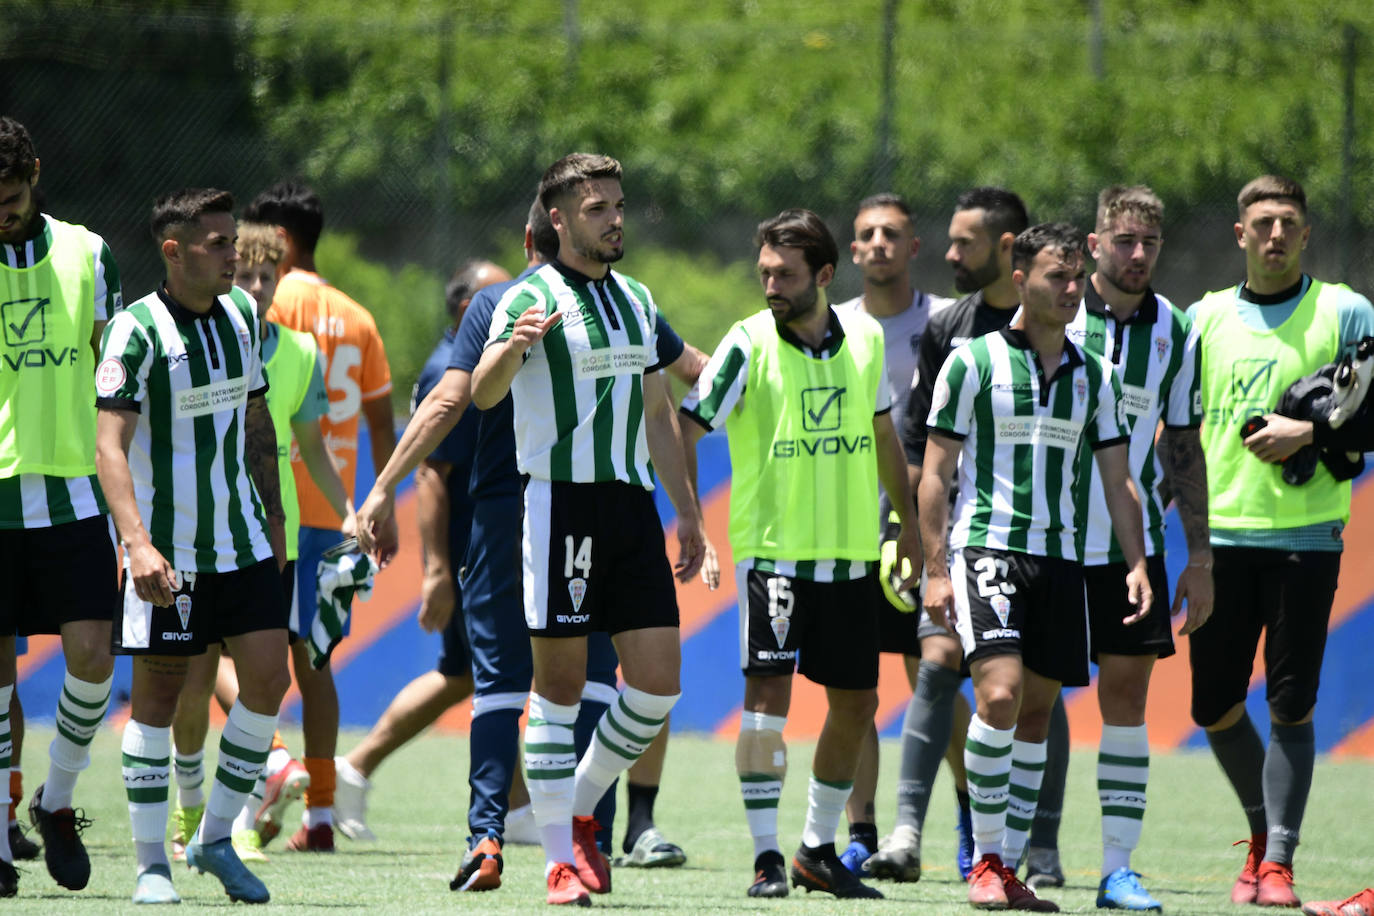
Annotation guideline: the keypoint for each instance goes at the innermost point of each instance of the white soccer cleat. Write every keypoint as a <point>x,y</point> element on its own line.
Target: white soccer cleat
<point>350,801</point>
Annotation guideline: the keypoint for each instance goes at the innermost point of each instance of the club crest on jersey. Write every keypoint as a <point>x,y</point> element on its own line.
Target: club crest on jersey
<point>1080,388</point>
<point>1001,606</point>
<point>1161,347</point>
<point>577,590</point>
<point>184,610</point>
<point>781,626</point>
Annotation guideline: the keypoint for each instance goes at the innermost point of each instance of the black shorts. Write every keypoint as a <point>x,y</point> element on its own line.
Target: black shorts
<point>56,575</point>
<point>593,559</point>
<point>1105,587</point>
<point>207,608</point>
<point>828,631</point>
<point>898,631</point>
<point>1288,595</point>
<point>1011,603</point>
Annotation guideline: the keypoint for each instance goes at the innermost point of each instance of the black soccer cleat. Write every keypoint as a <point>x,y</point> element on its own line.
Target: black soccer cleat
<point>770,875</point>
<point>820,869</point>
<point>20,845</point>
<point>63,850</point>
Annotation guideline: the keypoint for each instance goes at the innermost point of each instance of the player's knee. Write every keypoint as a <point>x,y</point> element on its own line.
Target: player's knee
<point>1292,704</point>
<point>1218,714</point>
<point>998,705</point>
<point>760,749</point>
<point>87,651</point>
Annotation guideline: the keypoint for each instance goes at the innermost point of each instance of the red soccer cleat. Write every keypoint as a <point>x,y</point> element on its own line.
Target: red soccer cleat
<point>319,838</point>
<point>1276,886</point>
<point>565,888</point>
<point>286,786</point>
<point>1020,897</point>
<point>1362,904</point>
<point>1246,887</point>
<point>985,891</point>
<point>592,868</point>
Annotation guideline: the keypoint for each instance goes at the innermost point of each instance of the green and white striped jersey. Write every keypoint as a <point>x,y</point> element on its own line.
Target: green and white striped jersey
<point>35,342</point>
<point>1020,485</point>
<point>1157,359</point>
<point>579,397</point>
<point>189,377</point>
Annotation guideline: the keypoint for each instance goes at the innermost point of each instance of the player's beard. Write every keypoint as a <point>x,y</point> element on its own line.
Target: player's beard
<point>972,279</point>
<point>796,309</point>
<point>599,251</point>
<point>1116,277</point>
<point>22,227</point>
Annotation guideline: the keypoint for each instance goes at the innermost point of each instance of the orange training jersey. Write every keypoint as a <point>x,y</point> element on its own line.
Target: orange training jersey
<point>355,370</point>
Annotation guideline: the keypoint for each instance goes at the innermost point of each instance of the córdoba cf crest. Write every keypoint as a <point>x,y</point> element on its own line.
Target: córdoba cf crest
<point>577,590</point>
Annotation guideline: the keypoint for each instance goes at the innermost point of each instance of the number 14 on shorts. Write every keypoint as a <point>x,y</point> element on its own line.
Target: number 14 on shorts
<point>577,568</point>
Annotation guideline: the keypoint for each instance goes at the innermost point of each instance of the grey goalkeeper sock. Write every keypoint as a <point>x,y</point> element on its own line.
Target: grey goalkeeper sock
<point>1287,779</point>
<point>926,729</point>
<point>1240,753</point>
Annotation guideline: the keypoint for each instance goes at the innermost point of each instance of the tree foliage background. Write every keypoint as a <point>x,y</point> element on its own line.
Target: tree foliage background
<point>425,124</point>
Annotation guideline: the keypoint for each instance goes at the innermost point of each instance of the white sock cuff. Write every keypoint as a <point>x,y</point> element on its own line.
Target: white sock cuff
<point>6,694</point>
<point>1028,751</point>
<point>1116,738</point>
<point>146,740</point>
<point>648,705</point>
<point>983,733</point>
<point>252,723</point>
<point>549,711</point>
<point>597,692</point>
<point>87,691</point>
<point>188,759</point>
<point>761,722</point>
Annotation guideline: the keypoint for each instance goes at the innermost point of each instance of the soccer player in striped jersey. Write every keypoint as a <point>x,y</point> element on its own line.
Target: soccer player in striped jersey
<point>187,457</point>
<point>574,344</point>
<point>296,399</point>
<point>985,222</point>
<point>1153,350</point>
<point>802,392</point>
<point>1011,411</point>
<point>58,287</point>
<point>358,379</point>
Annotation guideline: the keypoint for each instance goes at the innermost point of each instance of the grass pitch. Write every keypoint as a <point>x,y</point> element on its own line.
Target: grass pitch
<point>419,803</point>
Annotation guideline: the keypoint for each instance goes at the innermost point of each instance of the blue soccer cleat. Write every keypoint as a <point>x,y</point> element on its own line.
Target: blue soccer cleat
<point>220,860</point>
<point>1121,890</point>
<point>963,849</point>
<point>854,857</point>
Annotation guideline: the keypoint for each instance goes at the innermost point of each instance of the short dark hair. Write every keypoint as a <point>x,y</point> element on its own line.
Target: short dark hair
<point>572,170</point>
<point>181,208</point>
<point>1003,210</point>
<point>884,199</point>
<point>798,228</point>
<point>1117,200</point>
<point>17,156</point>
<point>295,207</point>
<point>543,234</point>
<point>1272,187</point>
<point>463,284</point>
<point>1064,237</point>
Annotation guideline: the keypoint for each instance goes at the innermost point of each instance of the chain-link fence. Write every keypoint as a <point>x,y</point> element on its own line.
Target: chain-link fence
<point>425,125</point>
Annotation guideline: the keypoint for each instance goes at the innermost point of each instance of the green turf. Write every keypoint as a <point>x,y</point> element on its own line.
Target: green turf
<point>418,806</point>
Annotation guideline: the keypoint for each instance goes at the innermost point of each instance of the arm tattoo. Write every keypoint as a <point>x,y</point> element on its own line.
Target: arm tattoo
<point>1187,472</point>
<point>260,452</point>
